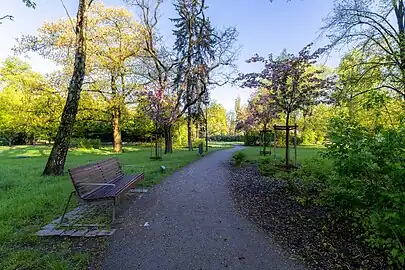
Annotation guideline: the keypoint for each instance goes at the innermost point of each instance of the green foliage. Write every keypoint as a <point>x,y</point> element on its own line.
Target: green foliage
<point>28,105</point>
<point>369,181</point>
<point>197,142</point>
<point>217,120</point>
<point>303,153</point>
<point>252,139</point>
<point>226,138</point>
<point>313,176</point>
<point>85,143</point>
<point>267,166</point>
<point>239,157</point>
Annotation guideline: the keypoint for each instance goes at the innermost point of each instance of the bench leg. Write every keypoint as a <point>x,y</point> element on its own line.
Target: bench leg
<point>113,211</point>
<point>66,207</point>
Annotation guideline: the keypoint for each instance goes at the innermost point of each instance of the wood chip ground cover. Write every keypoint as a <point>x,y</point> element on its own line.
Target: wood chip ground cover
<point>307,232</point>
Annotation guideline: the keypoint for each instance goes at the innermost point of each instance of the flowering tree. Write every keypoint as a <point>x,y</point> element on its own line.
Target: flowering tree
<point>261,109</point>
<point>291,82</point>
<point>261,112</point>
<point>161,110</point>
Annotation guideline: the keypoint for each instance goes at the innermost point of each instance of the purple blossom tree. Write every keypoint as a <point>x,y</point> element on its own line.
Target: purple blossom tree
<point>291,81</point>
<point>261,111</point>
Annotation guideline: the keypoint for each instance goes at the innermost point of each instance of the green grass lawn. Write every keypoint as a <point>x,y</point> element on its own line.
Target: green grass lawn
<point>303,153</point>
<point>28,200</point>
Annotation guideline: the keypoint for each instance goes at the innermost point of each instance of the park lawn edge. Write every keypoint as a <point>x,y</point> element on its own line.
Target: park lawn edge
<point>27,193</point>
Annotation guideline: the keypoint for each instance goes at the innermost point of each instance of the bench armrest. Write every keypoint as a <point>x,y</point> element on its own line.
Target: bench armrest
<point>96,184</point>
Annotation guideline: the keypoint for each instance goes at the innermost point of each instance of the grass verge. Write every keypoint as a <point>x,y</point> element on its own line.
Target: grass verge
<point>304,153</point>
<point>28,201</point>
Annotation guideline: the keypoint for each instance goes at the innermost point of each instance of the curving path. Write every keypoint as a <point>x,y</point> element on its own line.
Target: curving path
<point>193,224</point>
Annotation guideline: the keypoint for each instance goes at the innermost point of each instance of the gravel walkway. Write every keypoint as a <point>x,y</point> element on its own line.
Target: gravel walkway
<point>192,223</point>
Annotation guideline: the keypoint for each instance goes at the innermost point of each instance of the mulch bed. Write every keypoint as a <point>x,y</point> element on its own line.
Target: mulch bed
<point>307,232</point>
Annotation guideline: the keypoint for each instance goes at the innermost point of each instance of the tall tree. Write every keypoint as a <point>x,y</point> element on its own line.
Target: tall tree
<point>28,104</point>
<point>238,108</point>
<point>166,87</point>
<point>113,50</point>
<point>290,82</point>
<point>231,121</point>
<point>193,33</point>
<point>57,157</point>
<point>377,29</point>
<point>217,121</point>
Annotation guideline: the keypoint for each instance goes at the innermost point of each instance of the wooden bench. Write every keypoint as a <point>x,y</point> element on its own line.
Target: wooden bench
<point>102,180</point>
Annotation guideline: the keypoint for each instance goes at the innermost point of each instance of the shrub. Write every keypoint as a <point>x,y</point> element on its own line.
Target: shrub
<point>85,143</point>
<point>252,139</point>
<point>267,167</point>
<point>313,176</point>
<point>239,158</point>
<point>369,181</point>
<point>226,138</point>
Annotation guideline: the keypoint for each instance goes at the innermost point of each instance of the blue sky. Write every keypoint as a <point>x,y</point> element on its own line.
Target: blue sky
<point>263,27</point>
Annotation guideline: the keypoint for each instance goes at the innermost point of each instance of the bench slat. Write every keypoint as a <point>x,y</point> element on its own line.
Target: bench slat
<point>98,173</point>
<point>111,169</point>
<point>121,184</point>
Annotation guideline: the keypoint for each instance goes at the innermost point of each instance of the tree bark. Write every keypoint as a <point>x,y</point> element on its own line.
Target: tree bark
<point>287,140</point>
<point>189,131</point>
<point>116,115</point>
<point>264,139</point>
<point>57,157</point>
<point>168,139</point>
<point>197,131</point>
<point>206,129</point>
<point>399,13</point>
<point>117,130</point>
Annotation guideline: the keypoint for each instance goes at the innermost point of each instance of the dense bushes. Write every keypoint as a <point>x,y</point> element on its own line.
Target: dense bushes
<point>85,143</point>
<point>254,138</point>
<point>361,176</point>
<point>268,166</point>
<point>226,138</point>
<point>239,158</point>
<point>369,181</point>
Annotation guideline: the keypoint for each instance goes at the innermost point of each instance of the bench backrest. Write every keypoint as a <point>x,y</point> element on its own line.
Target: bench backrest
<point>100,172</point>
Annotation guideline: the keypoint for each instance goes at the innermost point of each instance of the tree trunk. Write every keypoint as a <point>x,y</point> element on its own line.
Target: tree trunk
<point>189,132</point>
<point>287,140</point>
<point>206,129</point>
<point>29,140</point>
<point>168,139</point>
<point>117,130</point>
<point>264,139</point>
<point>57,158</point>
<point>399,13</point>
<point>197,130</point>
<point>116,116</point>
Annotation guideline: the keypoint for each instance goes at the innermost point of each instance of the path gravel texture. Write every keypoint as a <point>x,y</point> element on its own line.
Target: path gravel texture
<point>192,223</point>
